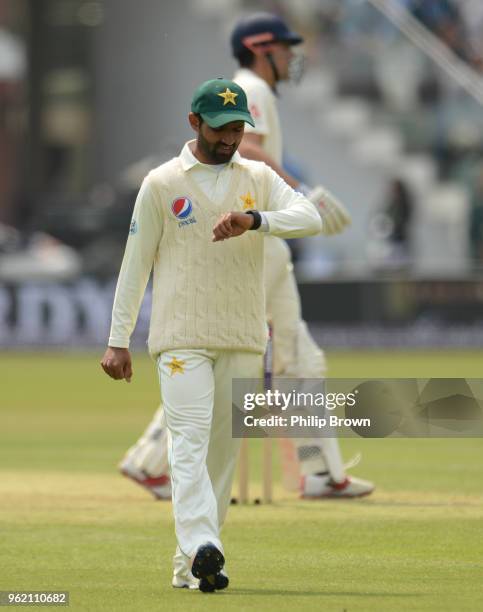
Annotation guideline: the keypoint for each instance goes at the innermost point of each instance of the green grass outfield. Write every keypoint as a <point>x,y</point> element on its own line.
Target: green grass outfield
<point>69,522</point>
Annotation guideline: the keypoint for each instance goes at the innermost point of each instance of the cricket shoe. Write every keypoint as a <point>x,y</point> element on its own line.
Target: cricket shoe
<point>207,566</point>
<point>221,582</point>
<point>186,581</point>
<point>158,486</point>
<point>322,486</point>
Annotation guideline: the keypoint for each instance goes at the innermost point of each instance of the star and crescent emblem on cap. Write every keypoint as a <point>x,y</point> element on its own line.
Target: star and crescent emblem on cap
<point>228,97</point>
<point>248,201</point>
<point>176,366</point>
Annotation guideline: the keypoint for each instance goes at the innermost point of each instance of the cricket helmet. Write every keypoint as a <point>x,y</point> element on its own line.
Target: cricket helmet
<point>261,29</point>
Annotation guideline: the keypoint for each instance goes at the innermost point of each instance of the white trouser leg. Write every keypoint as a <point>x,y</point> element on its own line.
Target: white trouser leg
<point>181,564</point>
<point>188,392</point>
<point>223,448</point>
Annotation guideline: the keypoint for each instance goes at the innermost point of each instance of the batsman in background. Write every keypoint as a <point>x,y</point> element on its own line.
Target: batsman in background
<point>262,44</point>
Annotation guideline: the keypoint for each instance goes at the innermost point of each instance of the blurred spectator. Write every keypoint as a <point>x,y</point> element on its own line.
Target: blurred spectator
<point>473,14</point>
<point>390,228</point>
<point>399,210</point>
<point>445,19</point>
<point>12,73</point>
<point>476,220</point>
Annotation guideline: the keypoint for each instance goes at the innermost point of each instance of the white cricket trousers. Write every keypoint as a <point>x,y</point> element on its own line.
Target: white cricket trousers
<point>196,391</point>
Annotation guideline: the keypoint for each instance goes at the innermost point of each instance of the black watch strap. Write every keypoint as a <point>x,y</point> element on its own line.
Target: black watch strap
<point>257,219</point>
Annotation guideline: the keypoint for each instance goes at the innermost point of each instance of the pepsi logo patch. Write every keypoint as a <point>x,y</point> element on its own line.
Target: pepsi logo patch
<point>182,208</point>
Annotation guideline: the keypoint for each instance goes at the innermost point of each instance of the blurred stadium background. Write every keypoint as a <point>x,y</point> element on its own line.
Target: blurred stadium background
<point>389,116</point>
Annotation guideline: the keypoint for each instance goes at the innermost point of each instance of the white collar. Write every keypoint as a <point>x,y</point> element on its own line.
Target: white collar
<point>188,160</point>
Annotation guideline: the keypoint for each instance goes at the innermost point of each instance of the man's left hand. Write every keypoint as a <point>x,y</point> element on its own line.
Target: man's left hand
<point>232,224</point>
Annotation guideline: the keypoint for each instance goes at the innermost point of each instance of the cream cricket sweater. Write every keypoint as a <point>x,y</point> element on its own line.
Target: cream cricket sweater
<point>205,294</point>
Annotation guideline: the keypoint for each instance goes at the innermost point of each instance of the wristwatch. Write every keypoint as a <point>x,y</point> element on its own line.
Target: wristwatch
<point>257,218</point>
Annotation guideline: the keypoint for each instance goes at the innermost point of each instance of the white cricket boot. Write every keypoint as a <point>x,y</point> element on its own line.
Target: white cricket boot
<point>322,486</point>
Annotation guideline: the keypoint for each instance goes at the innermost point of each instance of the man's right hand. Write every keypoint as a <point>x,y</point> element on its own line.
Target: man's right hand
<point>116,363</point>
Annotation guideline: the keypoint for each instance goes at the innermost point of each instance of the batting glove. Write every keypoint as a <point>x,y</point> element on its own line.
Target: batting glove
<point>335,217</point>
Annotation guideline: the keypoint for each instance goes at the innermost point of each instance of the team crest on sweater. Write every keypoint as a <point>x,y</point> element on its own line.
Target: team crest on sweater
<point>182,209</point>
<point>248,201</point>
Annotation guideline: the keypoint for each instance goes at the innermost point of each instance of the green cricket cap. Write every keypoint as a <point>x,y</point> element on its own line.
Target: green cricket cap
<point>221,101</point>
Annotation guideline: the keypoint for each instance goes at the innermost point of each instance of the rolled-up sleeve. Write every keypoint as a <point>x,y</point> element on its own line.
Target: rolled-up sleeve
<point>145,233</point>
<point>289,214</point>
